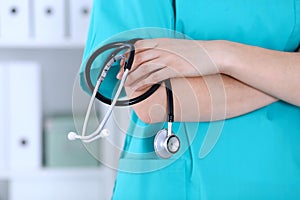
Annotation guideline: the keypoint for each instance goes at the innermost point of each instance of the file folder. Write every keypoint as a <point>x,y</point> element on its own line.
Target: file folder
<point>25,130</point>
<point>50,20</point>
<point>79,20</point>
<point>3,119</point>
<point>14,20</point>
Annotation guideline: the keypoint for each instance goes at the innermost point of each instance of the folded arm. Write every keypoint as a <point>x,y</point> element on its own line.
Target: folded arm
<point>235,79</point>
<point>197,99</point>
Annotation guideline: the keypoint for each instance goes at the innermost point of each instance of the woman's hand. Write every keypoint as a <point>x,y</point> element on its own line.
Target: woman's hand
<point>252,77</point>
<point>159,59</point>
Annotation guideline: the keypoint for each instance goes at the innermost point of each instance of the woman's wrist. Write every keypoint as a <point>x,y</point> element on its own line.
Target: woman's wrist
<point>222,53</point>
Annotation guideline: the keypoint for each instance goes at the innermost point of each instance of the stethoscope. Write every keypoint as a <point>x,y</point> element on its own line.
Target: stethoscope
<point>166,143</point>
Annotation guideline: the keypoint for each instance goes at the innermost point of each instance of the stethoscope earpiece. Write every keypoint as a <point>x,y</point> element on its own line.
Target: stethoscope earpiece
<point>87,139</point>
<point>72,136</point>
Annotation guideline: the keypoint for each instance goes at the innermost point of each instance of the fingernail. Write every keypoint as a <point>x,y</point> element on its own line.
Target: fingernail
<point>119,76</point>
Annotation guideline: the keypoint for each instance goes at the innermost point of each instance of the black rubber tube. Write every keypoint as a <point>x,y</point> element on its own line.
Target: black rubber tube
<point>170,100</point>
<point>118,46</point>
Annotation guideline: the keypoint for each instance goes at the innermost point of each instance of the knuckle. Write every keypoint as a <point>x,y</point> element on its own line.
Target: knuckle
<point>137,60</point>
<point>154,78</point>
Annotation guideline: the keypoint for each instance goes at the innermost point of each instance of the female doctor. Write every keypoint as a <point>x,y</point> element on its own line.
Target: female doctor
<point>237,65</point>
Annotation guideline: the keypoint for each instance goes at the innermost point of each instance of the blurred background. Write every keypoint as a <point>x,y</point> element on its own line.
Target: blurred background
<point>41,46</point>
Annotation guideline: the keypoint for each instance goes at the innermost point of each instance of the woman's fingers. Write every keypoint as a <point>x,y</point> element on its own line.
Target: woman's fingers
<point>141,56</point>
<point>153,78</point>
<point>181,58</point>
<point>142,72</point>
<point>143,45</point>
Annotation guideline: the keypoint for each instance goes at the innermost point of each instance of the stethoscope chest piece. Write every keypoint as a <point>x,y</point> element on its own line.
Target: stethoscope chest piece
<point>166,145</point>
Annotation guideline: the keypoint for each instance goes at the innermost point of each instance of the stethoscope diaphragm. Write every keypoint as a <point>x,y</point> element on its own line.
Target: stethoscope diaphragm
<point>166,145</point>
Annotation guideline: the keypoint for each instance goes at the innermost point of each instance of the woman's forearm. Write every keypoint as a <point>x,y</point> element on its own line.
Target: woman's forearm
<point>273,72</point>
<point>209,98</point>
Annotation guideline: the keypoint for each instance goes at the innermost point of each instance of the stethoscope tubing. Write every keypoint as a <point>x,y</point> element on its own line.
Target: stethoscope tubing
<point>116,48</point>
<point>119,46</point>
<point>165,140</point>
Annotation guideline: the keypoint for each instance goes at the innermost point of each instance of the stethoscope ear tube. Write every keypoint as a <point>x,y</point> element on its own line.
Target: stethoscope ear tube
<point>118,46</point>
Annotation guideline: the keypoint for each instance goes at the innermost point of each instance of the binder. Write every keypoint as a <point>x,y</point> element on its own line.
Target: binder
<point>79,20</point>
<point>14,20</point>
<point>24,86</point>
<point>49,21</point>
<point>3,119</point>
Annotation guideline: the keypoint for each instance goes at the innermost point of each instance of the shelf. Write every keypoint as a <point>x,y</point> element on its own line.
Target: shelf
<point>54,173</point>
<point>34,44</point>
<point>69,183</point>
<point>67,173</point>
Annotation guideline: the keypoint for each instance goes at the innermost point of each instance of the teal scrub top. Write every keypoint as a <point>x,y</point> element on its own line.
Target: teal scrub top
<point>253,156</point>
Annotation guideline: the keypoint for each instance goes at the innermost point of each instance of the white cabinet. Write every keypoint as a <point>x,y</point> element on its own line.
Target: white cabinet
<point>44,23</point>
<point>58,51</point>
